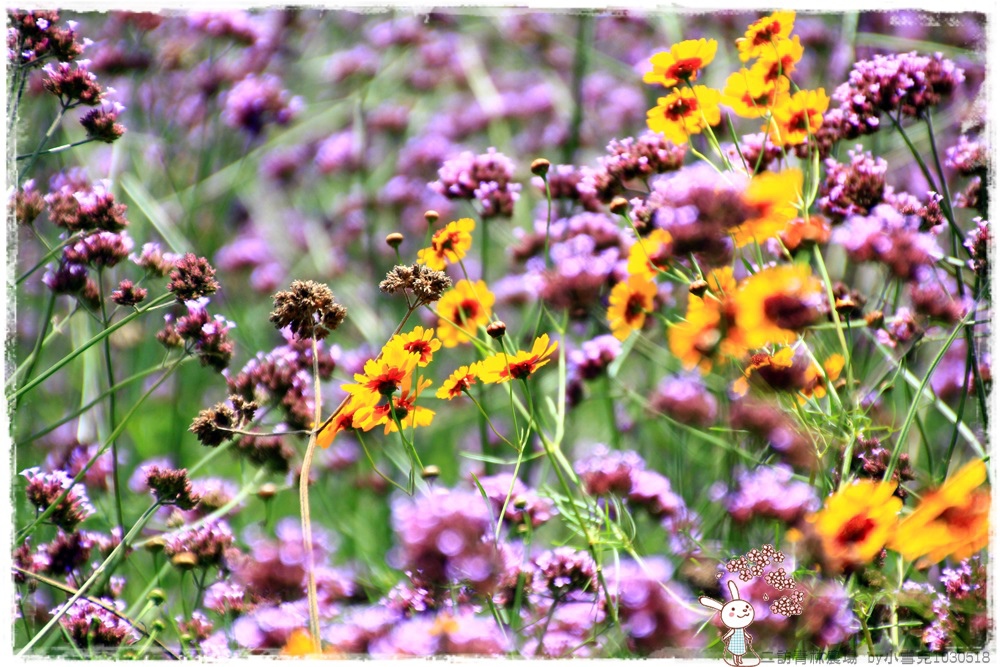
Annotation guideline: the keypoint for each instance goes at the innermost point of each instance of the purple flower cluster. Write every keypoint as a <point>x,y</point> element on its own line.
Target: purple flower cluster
<point>650,607</point>
<point>33,36</point>
<point>685,399</point>
<point>855,188</point>
<point>631,159</point>
<point>258,101</point>
<point>524,505</point>
<point>769,492</point>
<point>445,538</point>
<point>90,625</point>
<point>905,83</point>
<point>887,237</point>
<point>43,490</point>
<point>207,335</point>
<point>486,178</point>
<point>563,570</point>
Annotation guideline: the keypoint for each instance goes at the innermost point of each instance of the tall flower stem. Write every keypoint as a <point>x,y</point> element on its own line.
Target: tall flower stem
<point>63,108</point>
<point>583,47</point>
<point>112,404</point>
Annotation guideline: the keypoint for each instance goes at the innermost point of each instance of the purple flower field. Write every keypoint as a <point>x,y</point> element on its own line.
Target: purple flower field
<point>497,332</point>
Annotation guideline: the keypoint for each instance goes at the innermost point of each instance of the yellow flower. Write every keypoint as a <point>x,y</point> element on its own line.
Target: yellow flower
<point>420,341</point>
<point>462,310</point>
<point>815,229</point>
<point>404,404</point>
<point>502,367</point>
<point>681,63</point>
<point>761,34</point>
<point>856,522</point>
<point>815,384</point>
<point>683,112</point>
<point>773,304</point>
<point>300,644</point>
<point>448,245</point>
<point>628,304</point>
<point>343,419</point>
<point>649,255</point>
<point>709,328</point>
<point>750,95</point>
<point>459,382</point>
<point>799,116</point>
<point>952,521</point>
<point>779,62</point>
<point>772,198</point>
<point>383,375</point>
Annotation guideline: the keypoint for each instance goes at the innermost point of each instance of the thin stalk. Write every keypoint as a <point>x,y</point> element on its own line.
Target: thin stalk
<point>58,149</point>
<point>307,541</point>
<point>51,252</point>
<point>52,370</point>
<point>583,47</point>
<point>112,401</point>
<point>41,144</point>
<point>43,329</point>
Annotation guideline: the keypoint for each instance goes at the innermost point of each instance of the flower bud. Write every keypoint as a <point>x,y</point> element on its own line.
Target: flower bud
<point>540,167</point>
<point>430,472</point>
<point>496,329</point>
<point>431,216</point>
<point>394,240</point>
<point>157,596</point>
<point>698,287</point>
<point>267,491</point>
<point>619,205</point>
<point>874,319</point>
<point>184,561</point>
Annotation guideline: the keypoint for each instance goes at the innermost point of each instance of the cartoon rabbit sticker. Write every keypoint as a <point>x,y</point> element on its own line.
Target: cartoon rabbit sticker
<point>736,615</point>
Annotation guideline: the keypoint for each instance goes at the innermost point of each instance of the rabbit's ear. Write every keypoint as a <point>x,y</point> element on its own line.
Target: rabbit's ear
<point>710,603</point>
<point>735,591</point>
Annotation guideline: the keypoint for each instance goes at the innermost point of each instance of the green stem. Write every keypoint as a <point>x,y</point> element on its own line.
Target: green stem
<point>52,370</point>
<point>583,48</point>
<point>112,404</point>
<point>58,149</point>
<point>52,252</point>
<point>98,573</point>
<point>41,144</point>
<point>43,328</point>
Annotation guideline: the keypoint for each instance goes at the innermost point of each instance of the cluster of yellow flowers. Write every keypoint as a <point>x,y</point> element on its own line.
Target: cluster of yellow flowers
<point>861,519</point>
<point>764,90</point>
<point>386,392</point>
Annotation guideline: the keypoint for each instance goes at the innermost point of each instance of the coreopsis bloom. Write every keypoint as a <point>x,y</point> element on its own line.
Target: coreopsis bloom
<point>403,407</point>
<point>800,116</point>
<point>681,63</point>
<point>462,310</point>
<point>683,112</point>
<point>773,304</point>
<point>503,367</point>
<point>771,198</point>
<point>750,95</point>
<point>384,375</point>
<point>421,341</point>
<point>343,419</point>
<point>779,62</point>
<point>709,328</point>
<point>764,33</point>
<point>951,521</point>
<point>459,382</point>
<point>650,254</point>
<point>814,229</point>
<point>628,304</point>
<point>448,245</point>
<point>857,521</point>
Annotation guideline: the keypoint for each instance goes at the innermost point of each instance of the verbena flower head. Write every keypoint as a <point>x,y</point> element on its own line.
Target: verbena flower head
<point>682,63</point>
<point>684,112</point>
<point>258,101</point>
<point>192,278</point>
<point>44,488</point>
<point>73,83</point>
<point>102,123</point>
<point>770,493</point>
<point>207,543</point>
<point>626,160</point>
<point>308,308</point>
<point>503,367</point>
<point>426,284</point>
<point>525,504</point>
<point>448,245</point>
<point>563,570</point>
<point>92,625</point>
<point>99,250</point>
<point>486,178</point>
<point>685,399</point>
<point>651,615</point>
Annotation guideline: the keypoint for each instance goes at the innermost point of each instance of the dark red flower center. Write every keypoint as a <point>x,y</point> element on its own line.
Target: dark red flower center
<point>788,312</point>
<point>856,530</point>
<point>684,69</point>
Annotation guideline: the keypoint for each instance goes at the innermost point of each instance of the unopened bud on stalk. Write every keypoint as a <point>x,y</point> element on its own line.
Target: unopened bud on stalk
<point>619,205</point>
<point>184,561</point>
<point>431,216</point>
<point>430,472</point>
<point>496,329</point>
<point>394,240</point>
<point>540,167</point>
<point>698,287</point>
<point>157,596</point>
<point>874,319</point>
<point>156,544</point>
<point>267,491</point>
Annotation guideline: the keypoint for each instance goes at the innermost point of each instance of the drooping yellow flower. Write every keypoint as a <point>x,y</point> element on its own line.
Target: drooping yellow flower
<point>709,328</point>
<point>779,62</point>
<point>814,229</point>
<point>951,521</point>
<point>502,367</point>
<point>683,112</point>
<point>649,255</point>
<point>763,33</point>
<point>421,341</point>
<point>681,63</point>
<point>300,644</point>
<point>384,375</point>
<point>459,382</point>
<point>628,304</point>
<point>343,420</point>
<point>750,95</point>
<point>799,116</point>
<point>774,304</point>
<point>776,370</point>
<point>448,245</point>
<point>857,522</point>
<point>815,384</point>
<point>772,198</point>
<point>404,405</point>
<point>462,310</point>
